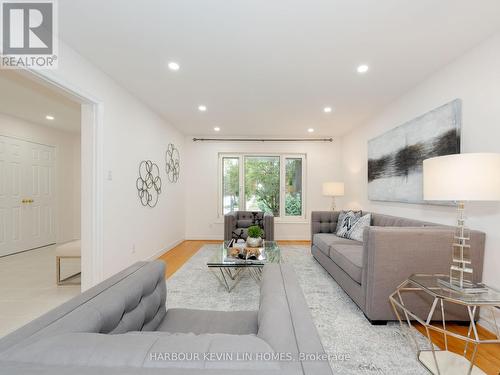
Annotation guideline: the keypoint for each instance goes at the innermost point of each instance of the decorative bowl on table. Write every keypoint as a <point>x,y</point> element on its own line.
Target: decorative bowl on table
<point>254,242</point>
<point>254,238</point>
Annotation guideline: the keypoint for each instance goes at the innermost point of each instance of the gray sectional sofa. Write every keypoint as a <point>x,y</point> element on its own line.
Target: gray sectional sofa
<point>393,248</point>
<point>121,326</point>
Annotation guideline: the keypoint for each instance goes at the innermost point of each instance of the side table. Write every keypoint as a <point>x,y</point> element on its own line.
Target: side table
<point>444,362</point>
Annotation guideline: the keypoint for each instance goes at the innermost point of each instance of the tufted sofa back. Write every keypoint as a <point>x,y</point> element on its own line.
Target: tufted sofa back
<point>324,222</point>
<point>133,300</point>
<point>381,220</point>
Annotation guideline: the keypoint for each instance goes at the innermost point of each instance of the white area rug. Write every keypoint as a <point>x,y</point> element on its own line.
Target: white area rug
<point>342,326</point>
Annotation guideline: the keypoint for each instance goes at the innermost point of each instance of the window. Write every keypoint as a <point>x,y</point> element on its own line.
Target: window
<point>293,187</point>
<point>262,184</point>
<point>231,184</point>
<point>269,183</point>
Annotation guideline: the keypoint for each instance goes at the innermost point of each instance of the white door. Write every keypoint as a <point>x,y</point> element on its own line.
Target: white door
<point>27,199</point>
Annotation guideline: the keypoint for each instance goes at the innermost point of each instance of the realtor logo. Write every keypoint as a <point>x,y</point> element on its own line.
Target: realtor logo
<point>28,34</point>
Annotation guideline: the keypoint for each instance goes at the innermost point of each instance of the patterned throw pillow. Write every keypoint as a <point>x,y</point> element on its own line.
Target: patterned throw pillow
<point>357,228</point>
<point>345,221</point>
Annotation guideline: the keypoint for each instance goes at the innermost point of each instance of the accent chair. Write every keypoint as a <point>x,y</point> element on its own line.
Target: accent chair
<point>236,224</point>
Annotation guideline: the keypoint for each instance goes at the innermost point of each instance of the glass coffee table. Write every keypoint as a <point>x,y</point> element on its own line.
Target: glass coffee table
<point>229,270</point>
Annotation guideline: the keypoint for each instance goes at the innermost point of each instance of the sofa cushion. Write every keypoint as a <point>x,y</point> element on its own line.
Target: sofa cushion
<point>244,223</point>
<point>143,349</point>
<point>349,257</point>
<point>208,321</point>
<point>324,240</point>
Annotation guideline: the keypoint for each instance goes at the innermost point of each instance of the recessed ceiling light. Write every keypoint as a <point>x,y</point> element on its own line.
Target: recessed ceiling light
<point>202,108</point>
<point>49,117</point>
<point>310,130</point>
<point>327,109</point>
<point>362,69</point>
<point>172,65</point>
<point>217,129</point>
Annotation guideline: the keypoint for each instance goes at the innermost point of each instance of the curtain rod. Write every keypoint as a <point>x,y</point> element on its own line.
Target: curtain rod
<point>263,139</point>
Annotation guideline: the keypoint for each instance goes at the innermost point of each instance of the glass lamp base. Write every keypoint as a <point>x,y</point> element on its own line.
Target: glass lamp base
<point>467,288</point>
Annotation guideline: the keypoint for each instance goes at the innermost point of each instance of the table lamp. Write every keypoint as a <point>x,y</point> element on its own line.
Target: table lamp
<point>462,178</point>
<point>333,189</point>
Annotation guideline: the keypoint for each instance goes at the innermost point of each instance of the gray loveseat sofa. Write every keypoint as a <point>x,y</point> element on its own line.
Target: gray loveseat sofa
<point>121,326</point>
<point>393,248</point>
<point>236,224</point>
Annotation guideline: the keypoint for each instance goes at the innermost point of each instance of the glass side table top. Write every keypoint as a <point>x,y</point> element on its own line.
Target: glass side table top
<point>270,253</point>
<point>430,283</point>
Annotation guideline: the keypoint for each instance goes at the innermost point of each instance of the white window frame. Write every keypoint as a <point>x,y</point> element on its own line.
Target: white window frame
<point>242,204</point>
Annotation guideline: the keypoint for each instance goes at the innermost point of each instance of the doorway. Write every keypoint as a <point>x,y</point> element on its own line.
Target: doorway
<point>27,198</point>
<point>40,196</point>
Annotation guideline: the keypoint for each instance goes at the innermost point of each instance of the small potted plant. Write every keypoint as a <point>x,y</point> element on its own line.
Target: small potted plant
<point>254,238</point>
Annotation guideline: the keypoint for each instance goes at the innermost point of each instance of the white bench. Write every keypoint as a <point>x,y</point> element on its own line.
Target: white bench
<point>65,251</point>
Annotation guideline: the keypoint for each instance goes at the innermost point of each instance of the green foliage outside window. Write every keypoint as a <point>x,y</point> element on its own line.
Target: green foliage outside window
<point>262,184</point>
<point>293,204</point>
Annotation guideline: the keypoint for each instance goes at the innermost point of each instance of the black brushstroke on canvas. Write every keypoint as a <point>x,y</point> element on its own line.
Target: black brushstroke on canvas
<point>410,158</point>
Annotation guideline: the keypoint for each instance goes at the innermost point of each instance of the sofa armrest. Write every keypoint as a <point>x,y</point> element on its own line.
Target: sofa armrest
<point>392,254</point>
<point>269,226</point>
<point>323,222</point>
<point>285,320</point>
<point>229,225</point>
<point>131,300</point>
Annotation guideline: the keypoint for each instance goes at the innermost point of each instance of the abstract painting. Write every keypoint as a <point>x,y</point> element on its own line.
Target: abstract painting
<point>395,159</point>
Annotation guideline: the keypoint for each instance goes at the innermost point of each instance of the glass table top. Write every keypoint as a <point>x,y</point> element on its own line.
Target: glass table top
<point>431,284</point>
<point>269,253</point>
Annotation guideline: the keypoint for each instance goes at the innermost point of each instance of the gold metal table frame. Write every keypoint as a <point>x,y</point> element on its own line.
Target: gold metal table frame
<point>435,360</point>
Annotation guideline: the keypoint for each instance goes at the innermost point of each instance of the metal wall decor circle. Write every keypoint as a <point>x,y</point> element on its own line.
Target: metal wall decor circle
<point>148,183</point>
<point>172,163</point>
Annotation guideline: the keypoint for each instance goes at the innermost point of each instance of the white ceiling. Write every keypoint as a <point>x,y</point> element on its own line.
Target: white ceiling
<point>268,67</point>
<point>31,101</point>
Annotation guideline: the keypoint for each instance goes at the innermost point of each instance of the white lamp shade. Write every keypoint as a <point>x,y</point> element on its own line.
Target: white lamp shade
<point>462,177</point>
<point>333,189</point>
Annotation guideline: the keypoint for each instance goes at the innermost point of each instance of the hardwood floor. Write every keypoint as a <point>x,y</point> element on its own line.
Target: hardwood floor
<point>488,356</point>
<point>180,254</point>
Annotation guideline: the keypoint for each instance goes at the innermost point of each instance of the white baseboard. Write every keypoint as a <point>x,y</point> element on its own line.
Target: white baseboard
<point>292,238</point>
<point>159,253</point>
<point>196,237</point>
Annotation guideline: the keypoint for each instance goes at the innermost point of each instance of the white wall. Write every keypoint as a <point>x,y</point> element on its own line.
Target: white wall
<point>202,221</point>
<point>67,189</point>
<point>131,133</point>
<point>474,78</point>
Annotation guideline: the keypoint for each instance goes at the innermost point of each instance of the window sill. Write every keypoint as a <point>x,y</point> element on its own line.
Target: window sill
<point>290,221</point>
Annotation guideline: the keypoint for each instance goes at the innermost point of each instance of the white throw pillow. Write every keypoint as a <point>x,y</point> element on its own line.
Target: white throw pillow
<point>345,221</point>
<point>357,229</point>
